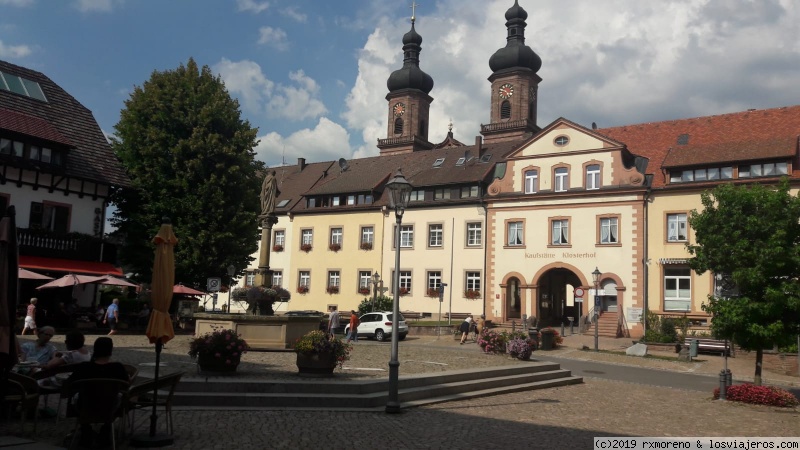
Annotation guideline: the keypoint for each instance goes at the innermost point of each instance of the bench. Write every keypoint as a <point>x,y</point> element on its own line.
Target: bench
<point>710,345</point>
<point>413,315</point>
<point>460,316</point>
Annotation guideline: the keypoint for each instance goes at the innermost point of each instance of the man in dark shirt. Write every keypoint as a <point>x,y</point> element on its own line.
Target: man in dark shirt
<point>99,367</point>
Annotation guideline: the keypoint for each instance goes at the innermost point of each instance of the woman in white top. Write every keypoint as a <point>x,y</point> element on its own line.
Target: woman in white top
<point>30,318</point>
<point>76,351</point>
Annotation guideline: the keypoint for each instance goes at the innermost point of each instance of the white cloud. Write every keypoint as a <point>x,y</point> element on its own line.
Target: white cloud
<point>93,5</point>
<point>274,37</point>
<point>292,13</point>
<point>252,5</point>
<point>245,80</point>
<point>297,102</point>
<point>19,3</point>
<point>327,141</point>
<point>14,51</point>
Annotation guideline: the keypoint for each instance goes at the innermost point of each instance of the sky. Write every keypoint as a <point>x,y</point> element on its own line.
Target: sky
<point>311,74</point>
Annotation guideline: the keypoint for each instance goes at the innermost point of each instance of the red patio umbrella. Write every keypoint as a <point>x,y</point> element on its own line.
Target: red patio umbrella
<point>70,280</point>
<point>114,281</point>
<point>25,274</point>
<point>185,290</point>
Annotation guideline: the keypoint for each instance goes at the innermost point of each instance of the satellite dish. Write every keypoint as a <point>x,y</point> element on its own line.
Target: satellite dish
<point>343,164</point>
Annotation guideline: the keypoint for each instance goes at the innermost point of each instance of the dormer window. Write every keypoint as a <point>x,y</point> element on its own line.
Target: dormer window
<point>438,162</point>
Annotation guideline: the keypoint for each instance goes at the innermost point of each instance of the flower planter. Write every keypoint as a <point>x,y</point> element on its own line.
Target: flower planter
<point>316,364</point>
<point>208,363</point>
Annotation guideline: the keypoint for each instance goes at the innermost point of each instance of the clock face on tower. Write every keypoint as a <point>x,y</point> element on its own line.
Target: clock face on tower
<point>399,109</point>
<point>506,91</point>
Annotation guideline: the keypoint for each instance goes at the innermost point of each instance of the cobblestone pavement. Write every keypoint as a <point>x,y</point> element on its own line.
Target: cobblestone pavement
<point>560,418</point>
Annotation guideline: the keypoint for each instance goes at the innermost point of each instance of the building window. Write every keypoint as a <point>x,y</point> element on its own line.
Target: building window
<point>560,232</point>
<point>514,233</point>
<point>593,176</point>
<point>336,201</point>
<point>334,278</point>
<point>677,289</point>
<point>706,174</point>
<point>505,110</point>
<point>435,232</point>
<point>336,237</point>
<point>277,278</point>
<point>367,235</point>
<point>473,281</point>
<point>561,179</point>
<point>441,194</point>
<point>434,279</point>
<point>417,196</point>
<point>469,191</point>
<point>351,199</point>
<point>304,279</point>
<point>405,281</point>
<point>398,126</point>
<point>307,237</point>
<point>763,170</point>
<point>50,216</point>
<point>474,234</point>
<point>406,236</point>
<point>609,230</point>
<point>531,181</point>
<point>250,279</point>
<point>676,227</point>
<point>280,237</point>
<point>364,279</point>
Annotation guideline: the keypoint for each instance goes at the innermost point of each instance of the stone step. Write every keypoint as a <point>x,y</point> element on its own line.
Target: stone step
<point>373,394</point>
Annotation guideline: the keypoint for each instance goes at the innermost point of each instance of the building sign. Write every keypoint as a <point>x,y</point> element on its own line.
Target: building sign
<point>634,315</point>
<point>563,255</point>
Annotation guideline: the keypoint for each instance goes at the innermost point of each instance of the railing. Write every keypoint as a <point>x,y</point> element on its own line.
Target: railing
<point>82,247</point>
<point>499,126</point>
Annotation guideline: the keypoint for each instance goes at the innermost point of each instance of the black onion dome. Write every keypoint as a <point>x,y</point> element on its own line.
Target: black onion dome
<point>410,76</point>
<point>515,54</point>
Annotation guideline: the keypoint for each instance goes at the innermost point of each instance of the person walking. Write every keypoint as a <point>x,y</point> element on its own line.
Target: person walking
<point>354,322</point>
<point>30,317</point>
<point>112,316</point>
<point>333,322</point>
<point>464,328</point>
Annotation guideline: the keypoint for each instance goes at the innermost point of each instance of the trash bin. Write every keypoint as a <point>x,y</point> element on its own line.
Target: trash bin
<point>533,334</point>
<point>547,340</point>
<point>694,345</point>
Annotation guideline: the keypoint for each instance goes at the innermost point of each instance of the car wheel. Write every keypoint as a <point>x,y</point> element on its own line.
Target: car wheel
<point>401,337</point>
<point>379,336</point>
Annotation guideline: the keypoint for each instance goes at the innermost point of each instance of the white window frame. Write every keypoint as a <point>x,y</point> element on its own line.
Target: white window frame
<point>515,232</point>
<point>677,222</point>
<point>473,281</point>
<point>531,181</point>
<point>405,280</point>
<point>561,179</point>
<point>592,177</point>
<point>307,237</point>
<point>434,279</point>
<point>250,279</point>
<point>609,230</point>
<point>277,278</point>
<point>280,237</point>
<point>334,278</point>
<point>406,236</point>
<point>675,297</point>
<point>474,234</point>
<point>435,235</point>
<point>304,279</point>
<point>364,279</point>
<point>560,232</point>
<point>336,235</point>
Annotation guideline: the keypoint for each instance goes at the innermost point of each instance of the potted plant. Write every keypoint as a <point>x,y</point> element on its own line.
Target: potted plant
<point>366,246</point>
<point>472,294</point>
<point>433,293</point>
<point>277,248</point>
<point>335,247</point>
<point>302,289</point>
<point>218,351</point>
<point>306,247</point>
<point>520,348</point>
<point>363,290</point>
<point>404,291</point>
<point>333,289</point>
<point>318,353</point>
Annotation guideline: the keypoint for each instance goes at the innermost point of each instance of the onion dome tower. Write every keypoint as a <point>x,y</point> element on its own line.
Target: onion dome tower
<point>408,102</point>
<point>514,83</point>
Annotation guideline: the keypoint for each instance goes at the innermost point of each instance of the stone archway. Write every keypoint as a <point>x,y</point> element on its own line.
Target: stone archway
<point>554,288</point>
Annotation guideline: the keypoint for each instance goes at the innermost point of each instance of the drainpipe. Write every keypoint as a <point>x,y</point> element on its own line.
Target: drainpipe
<point>645,260</point>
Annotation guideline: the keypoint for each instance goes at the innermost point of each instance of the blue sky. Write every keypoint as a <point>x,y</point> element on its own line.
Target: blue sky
<point>311,74</point>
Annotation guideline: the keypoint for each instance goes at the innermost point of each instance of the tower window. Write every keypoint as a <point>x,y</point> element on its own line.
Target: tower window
<point>505,110</point>
<point>422,126</point>
<point>398,126</point>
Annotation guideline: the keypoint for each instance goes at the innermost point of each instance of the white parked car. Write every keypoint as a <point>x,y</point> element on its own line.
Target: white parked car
<point>379,325</point>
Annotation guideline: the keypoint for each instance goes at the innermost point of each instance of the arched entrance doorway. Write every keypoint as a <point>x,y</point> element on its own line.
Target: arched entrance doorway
<point>513,307</point>
<point>555,304</point>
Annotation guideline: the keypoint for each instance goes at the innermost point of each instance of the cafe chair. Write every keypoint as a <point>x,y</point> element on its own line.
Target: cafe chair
<point>132,370</point>
<point>100,400</point>
<point>48,387</point>
<point>24,391</point>
<point>141,398</point>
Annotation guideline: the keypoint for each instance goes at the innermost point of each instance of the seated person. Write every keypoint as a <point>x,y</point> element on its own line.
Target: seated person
<point>41,350</point>
<point>100,366</point>
<point>76,351</point>
<point>144,315</point>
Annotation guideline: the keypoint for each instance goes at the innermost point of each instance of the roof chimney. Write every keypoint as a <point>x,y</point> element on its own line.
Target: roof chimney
<point>478,142</point>
<point>302,163</point>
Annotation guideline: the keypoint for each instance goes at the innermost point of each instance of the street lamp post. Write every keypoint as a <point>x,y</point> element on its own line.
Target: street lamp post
<point>375,280</point>
<point>399,194</point>
<point>231,273</point>
<point>596,278</point>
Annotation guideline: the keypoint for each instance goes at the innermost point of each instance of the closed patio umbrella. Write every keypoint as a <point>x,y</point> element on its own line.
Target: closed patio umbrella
<point>159,329</point>
<point>9,293</point>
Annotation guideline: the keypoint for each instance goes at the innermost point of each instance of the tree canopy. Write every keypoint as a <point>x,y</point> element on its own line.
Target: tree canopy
<point>750,235</point>
<point>190,157</point>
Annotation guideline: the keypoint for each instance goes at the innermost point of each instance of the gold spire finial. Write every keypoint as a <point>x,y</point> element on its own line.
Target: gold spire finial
<point>413,7</point>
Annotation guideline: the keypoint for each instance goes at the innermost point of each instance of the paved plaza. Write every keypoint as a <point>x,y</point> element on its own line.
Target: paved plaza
<point>560,418</point>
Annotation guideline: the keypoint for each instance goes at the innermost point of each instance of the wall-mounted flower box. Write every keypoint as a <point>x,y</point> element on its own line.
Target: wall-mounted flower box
<point>335,247</point>
<point>404,291</point>
<point>363,290</point>
<point>366,246</point>
<point>333,289</point>
<point>433,293</point>
<point>472,294</point>
<point>277,248</point>
<point>302,289</point>
<point>306,247</point>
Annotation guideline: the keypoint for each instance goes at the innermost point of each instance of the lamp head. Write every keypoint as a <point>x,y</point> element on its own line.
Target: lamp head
<point>596,275</point>
<point>231,270</point>
<point>399,191</point>
<point>376,278</point>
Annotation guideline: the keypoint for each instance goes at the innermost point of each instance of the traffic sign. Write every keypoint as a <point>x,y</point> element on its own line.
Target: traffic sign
<point>213,284</point>
<point>597,302</point>
<point>578,292</point>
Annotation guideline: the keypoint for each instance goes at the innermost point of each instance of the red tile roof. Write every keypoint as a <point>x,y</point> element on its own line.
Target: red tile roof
<point>725,138</point>
<point>31,126</point>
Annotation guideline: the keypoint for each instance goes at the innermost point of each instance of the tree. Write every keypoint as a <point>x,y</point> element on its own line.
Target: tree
<point>750,235</point>
<point>190,157</point>
<point>382,303</point>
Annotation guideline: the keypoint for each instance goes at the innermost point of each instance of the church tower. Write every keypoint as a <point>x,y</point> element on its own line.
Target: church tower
<point>408,102</point>
<point>514,83</point>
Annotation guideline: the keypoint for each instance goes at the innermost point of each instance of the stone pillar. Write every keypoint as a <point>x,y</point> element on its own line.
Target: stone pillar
<point>264,271</point>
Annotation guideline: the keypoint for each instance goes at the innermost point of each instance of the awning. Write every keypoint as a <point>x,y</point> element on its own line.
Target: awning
<point>68,265</point>
<point>673,261</point>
